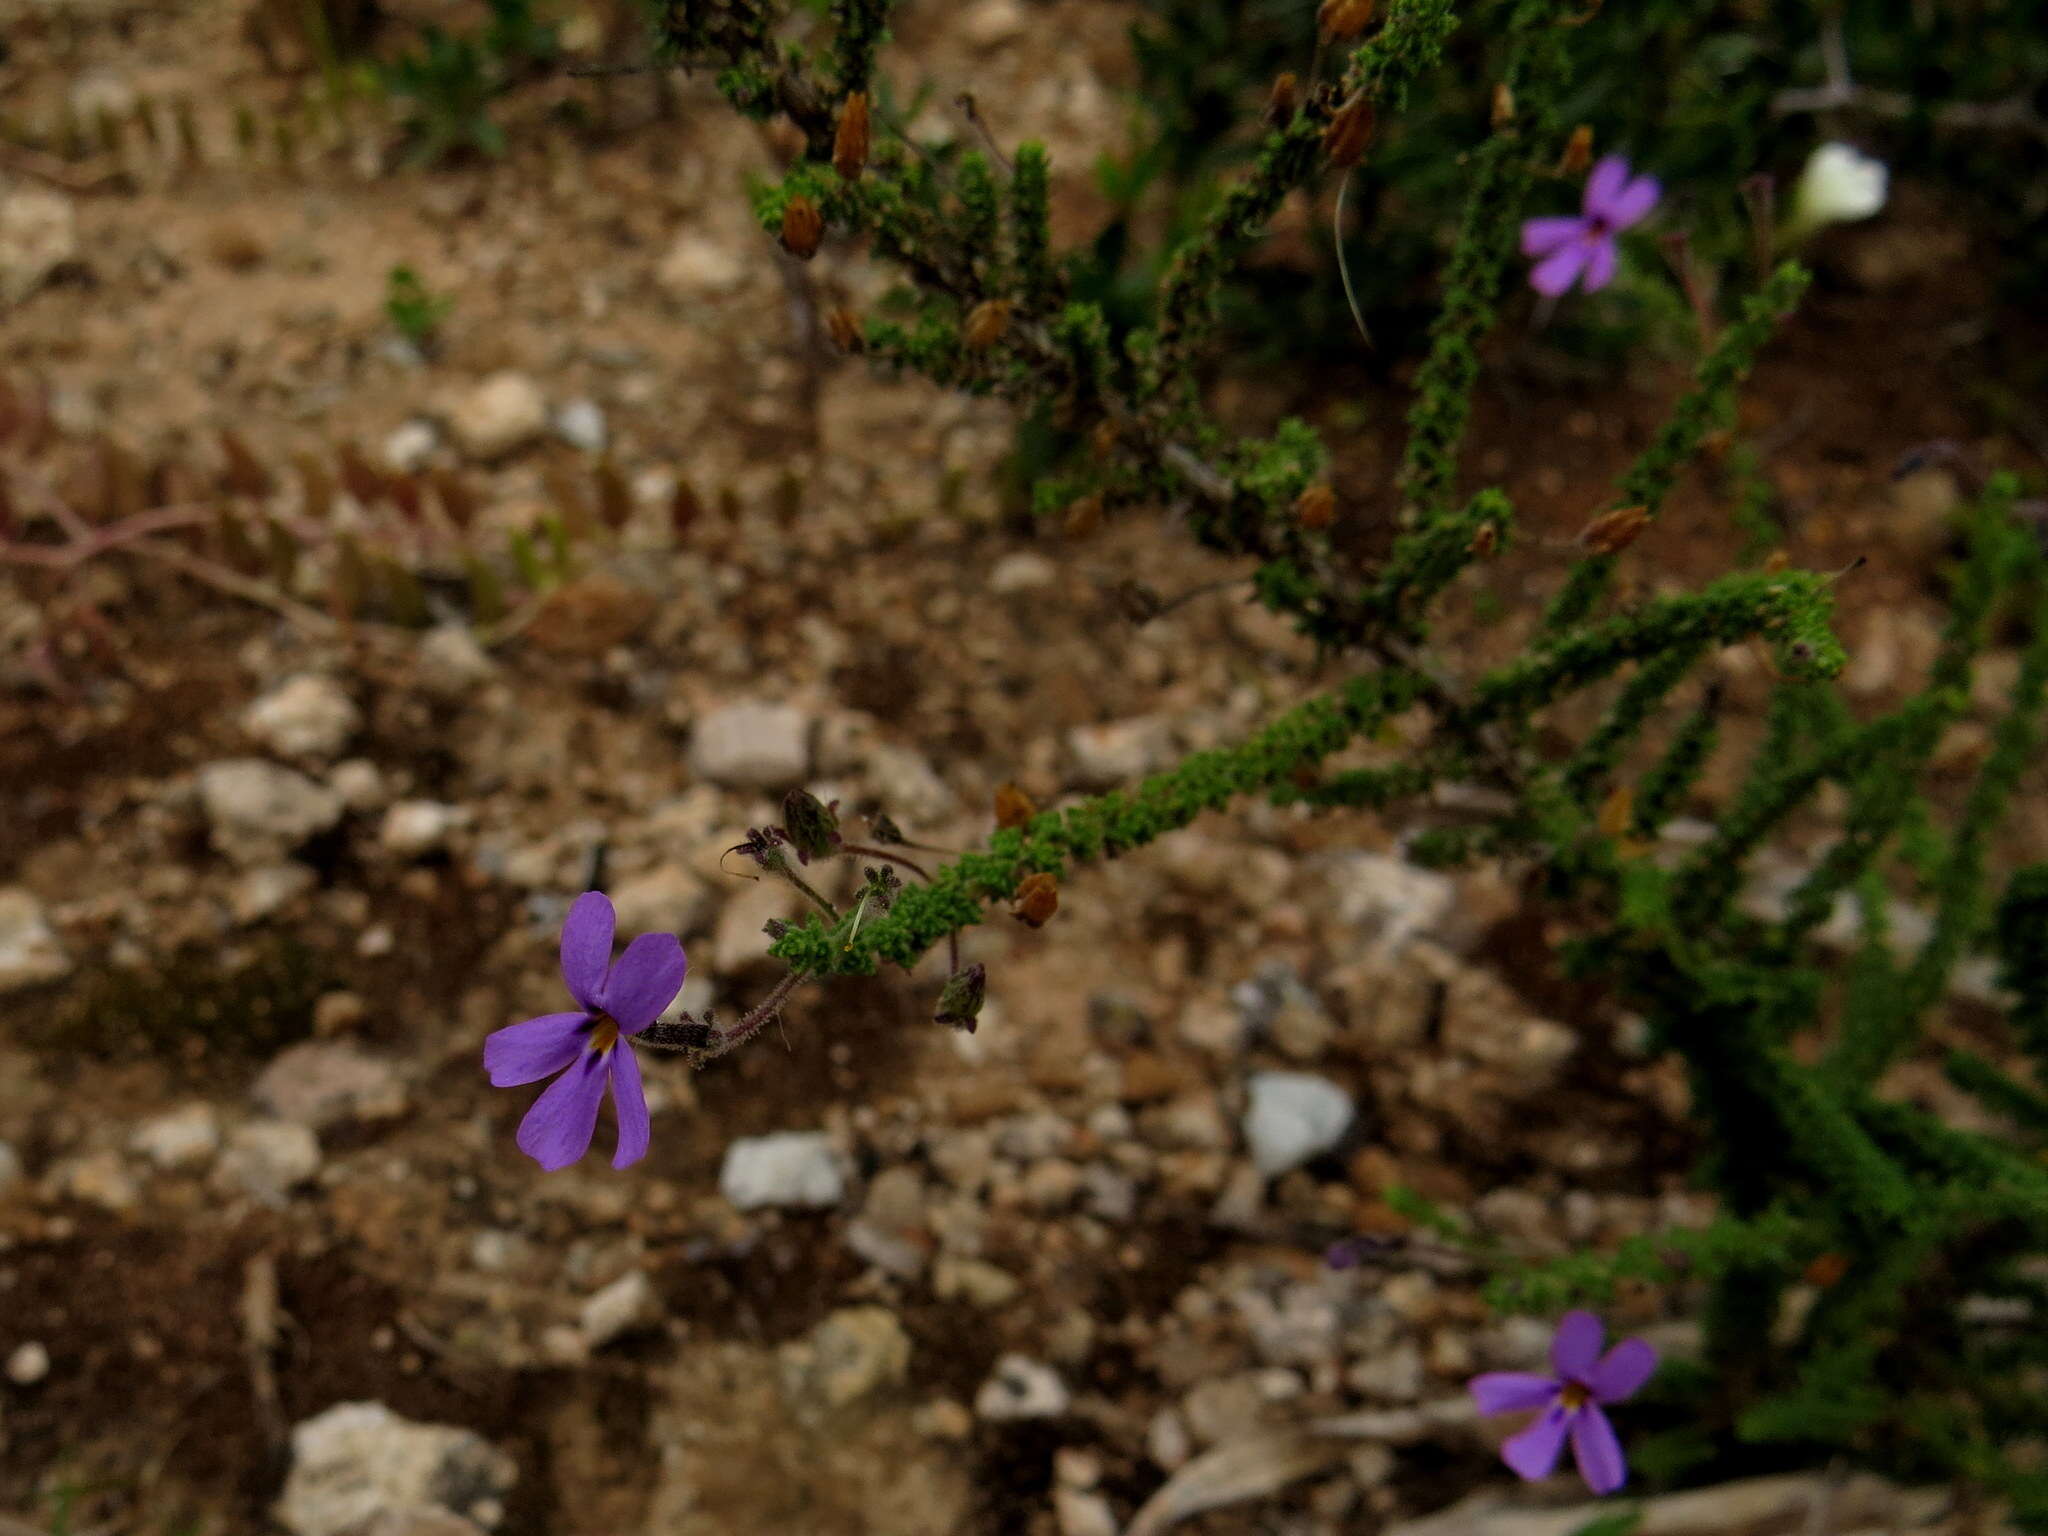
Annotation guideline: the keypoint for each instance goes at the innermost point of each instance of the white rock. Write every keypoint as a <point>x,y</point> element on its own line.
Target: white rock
<point>789,1168</point>
<point>670,898</point>
<point>499,416</point>
<point>1022,1388</point>
<point>627,1304</point>
<point>269,1159</point>
<point>990,23</point>
<point>908,787</point>
<point>38,234</point>
<point>580,423</point>
<point>179,1139</point>
<point>452,665</point>
<point>853,1354</point>
<point>258,811</point>
<point>1292,1117</point>
<point>308,716</point>
<point>359,783</point>
<point>29,951</point>
<point>752,745</point>
<point>1080,1513</point>
<point>359,1462</point>
<point>322,1083</point>
<point>257,893</point>
<point>699,267</point>
<point>98,1178</point>
<point>28,1363</point>
<point>410,445</point>
<point>1119,751</point>
<point>1387,900</point>
<point>415,827</point>
<point>1023,571</point>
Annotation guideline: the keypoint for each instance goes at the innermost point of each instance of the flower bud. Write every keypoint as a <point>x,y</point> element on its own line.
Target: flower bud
<point>1013,806</point>
<point>1038,897</point>
<point>1839,184</point>
<point>803,227</point>
<point>1316,507</point>
<point>1349,131</point>
<point>1578,152</point>
<point>985,324</point>
<point>1341,20</point>
<point>811,826</point>
<point>844,327</point>
<point>961,998</point>
<point>1284,101</point>
<point>1612,532</point>
<point>850,141</point>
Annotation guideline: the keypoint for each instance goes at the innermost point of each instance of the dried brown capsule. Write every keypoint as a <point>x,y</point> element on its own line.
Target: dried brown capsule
<point>985,324</point>
<point>1038,897</point>
<point>1349,131</point>
<point>1503,106</point>
<point>1285,100</point>
<point>1612,532</point>
<point>803,227</point>
<point>1316,507</point>
<point>850,141</point>
<point>1084,516</point>
<point>1578,152</point>
<point>1485,540</point>
<point>1344,19</point>
<point>1102,442</point>
<point>844,326</point>
<point>1013,806</point>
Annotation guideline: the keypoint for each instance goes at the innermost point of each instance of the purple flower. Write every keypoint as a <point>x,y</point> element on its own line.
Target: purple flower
<point>1582,249</point>
<point>588,1047</point>
<point>1570,1401</point>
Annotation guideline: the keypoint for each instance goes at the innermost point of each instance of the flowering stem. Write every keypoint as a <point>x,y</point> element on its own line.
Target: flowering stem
<point>894,858</point>
<point>805,886</point>
<point>751,1023</point>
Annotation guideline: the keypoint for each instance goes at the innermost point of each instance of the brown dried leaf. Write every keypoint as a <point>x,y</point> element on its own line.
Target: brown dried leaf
<point>1013,806</point>
<point>1612,532</point>
<point>803,227</point>
<point>851,139</point>
<point>1038,898</point>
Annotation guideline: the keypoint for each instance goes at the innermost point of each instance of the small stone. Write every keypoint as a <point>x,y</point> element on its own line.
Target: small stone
<point>97,1178</point>
<point>974,1281</point>
<point>359,1462</point>
<point>697,266</point>
<point>907,784</point>
<point>1373,1465</point>
<point>1079,1513</point>
<point>336,1013</point>
<point>1022,571</point>
<point>625,1306</point>
<point>320,1083</point>
<point>258,811</point>
<point>988,24</point>
<point>796,1169</point>
<point>670,898</point>
<point>738,938</point>
<point>1277,1003</point>
<point>1167,1440</point>
<point>179,1140</point>
<point>498,416</point>
<point>581,424</point>
<point>752,745</point>
<point>452,665</point>
<point>269,1159</point>
<point>259,893</point>
<point>1051,1184</point>
<point>1387,901</point>
<point>1293,1117</point>
<point>38,235</point>
<point>1022,1388</point>
<point>943,1419</point>
<point>418,1522</point>
<point>1119,751</point>
<point>1393,1375</point>
<point>411,445</point>
<point>1192,1122</point>
<point>30,953</point>
<point>308,716</point>
<point>416,827</point>
<point>853,1354</point>
<point>28,1363</point>
<point>359,783</point>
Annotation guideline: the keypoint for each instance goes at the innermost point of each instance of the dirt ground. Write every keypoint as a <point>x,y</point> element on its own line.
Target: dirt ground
<point>250,1167</point>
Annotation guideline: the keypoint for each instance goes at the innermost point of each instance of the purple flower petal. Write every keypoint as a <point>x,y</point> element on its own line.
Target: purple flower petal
<point>557,1130</point>
<point>587,948</point>
<point>1600,264</point>
<point>1633,202</point>
<point>631,1102</point>
<point>1533,1453</point>
<point>1542,236</point>
<point>537,1048</point>
<point>1512,1391</point>
<point>1559,270</point>
<point>1597,1451</point>
<point>1606,183</point>
<point>1575,1348</point>
<point>645,981</point>
<point>1622,1371</point>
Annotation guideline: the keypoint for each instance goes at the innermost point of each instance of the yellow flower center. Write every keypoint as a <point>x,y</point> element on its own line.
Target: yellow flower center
<point>1574,1395</point>
<point>604,1034</point>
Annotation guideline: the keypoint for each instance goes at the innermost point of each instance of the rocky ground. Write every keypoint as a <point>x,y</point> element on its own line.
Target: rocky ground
<point>268,1256</point>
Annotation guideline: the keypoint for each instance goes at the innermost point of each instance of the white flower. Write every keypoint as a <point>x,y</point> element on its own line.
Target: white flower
<point>1840,183</point>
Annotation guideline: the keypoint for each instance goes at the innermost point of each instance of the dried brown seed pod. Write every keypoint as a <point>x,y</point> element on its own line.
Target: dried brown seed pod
<point>850,141</point>
<point>985,324</point>
<point>803,227</point>
<point>1013,806</point>
<point>1349,131</point>
<point>1084,516</point>
<point>1316,507</point>
<point>1503,105</point>
<point>844,327</point>
<point>1612,532</point>
<point>1341,20</point>
<point>1578,152</point>
<point>1485,540</point>
<point>1038,897</point>
<point>1284,101</point>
